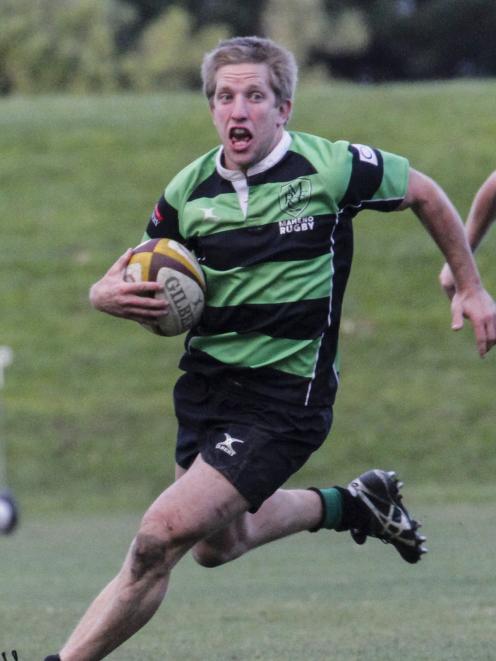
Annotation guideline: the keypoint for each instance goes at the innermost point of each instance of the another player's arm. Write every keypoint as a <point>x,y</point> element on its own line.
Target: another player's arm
<point>482,213</point>
<point>432,206</point>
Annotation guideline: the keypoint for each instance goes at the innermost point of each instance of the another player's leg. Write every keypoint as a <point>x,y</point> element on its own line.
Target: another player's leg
<point>174,522</point>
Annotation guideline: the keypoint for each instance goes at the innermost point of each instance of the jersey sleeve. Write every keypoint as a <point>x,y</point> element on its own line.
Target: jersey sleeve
<point>378,180</point>
<point>163,222</point>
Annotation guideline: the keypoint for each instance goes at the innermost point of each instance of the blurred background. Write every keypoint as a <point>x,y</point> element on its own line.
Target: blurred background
<point>146,45</point>
<point>100,107</point>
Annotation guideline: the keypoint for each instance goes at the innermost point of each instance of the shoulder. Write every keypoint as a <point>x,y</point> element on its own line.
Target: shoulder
<point>323,151</point>
<point>190,177</point>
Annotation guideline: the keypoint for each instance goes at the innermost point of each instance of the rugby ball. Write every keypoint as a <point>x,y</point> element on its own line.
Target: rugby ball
<point>177,270</point>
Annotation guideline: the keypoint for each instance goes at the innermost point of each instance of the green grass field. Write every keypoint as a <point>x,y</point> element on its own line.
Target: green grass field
<point>87,414</point>
<point>315,597</point>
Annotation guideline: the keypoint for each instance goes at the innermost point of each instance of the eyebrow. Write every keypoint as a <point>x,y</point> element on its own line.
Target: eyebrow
<point>252,87</point>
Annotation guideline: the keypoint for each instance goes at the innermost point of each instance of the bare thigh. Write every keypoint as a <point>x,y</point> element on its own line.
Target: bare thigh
<point>231,527</point>
<point>199,503</point>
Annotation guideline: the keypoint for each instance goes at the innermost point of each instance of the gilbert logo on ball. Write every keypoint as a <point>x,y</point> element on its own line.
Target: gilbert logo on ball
<point>173,266</point>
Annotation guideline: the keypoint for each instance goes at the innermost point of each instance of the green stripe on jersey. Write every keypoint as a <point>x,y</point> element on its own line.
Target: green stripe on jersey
<point>254,350</point>
<point>270,282</point>
<point>395,178</point>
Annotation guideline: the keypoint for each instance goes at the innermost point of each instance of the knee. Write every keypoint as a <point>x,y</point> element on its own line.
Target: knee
<point>211,555</point>
<point>149,557</point>
<point>208,556</point>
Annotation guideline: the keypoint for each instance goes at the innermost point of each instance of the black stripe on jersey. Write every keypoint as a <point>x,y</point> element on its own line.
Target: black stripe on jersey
<point>264,381</point>
<point>295,321</point>
<point>325,382</point>
<point>254,245</point>
<point>211,187</point>
<point>290,167</point>
<point>164,222</point>
<point>382,205</point>
<point>365,179</point>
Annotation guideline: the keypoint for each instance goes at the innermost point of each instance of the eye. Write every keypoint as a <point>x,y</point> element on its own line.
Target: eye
<point>224,97</point>
<point>256,96</point>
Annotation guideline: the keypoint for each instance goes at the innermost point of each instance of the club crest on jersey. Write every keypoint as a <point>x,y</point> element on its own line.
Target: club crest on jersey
<point>295,196</point>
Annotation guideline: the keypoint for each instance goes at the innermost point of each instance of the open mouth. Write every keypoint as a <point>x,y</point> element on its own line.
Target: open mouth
<point>239,137</point>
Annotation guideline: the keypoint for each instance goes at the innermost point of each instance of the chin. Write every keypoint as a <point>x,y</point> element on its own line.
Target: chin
<point>240,163</point>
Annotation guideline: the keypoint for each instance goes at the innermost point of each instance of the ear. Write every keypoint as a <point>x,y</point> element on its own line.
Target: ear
<point>285,108</point>
<point>212,110</point>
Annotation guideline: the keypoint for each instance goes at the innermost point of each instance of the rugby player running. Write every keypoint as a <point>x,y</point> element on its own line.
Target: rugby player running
<point>269,216</point>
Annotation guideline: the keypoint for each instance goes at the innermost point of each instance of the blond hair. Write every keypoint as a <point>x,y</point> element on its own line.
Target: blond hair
<point>283,70</point>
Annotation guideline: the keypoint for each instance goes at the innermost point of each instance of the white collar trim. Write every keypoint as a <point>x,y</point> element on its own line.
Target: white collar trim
<point>269,161</point>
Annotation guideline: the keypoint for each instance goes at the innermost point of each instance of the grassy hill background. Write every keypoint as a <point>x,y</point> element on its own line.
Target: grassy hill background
<point>87,412</point>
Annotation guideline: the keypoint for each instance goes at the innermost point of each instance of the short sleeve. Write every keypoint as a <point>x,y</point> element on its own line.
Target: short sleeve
<point>378,180</point>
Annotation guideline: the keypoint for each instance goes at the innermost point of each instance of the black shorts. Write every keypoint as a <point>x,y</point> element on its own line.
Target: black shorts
<point>255,442</point>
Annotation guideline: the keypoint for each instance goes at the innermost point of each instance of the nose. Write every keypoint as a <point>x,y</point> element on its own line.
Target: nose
<point>239,108</point>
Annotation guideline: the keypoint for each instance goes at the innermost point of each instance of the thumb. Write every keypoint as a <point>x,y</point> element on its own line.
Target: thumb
<point>120,265</point>
<point>456,314</point>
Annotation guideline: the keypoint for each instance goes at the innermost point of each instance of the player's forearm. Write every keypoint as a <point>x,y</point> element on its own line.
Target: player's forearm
<point>443,222</point>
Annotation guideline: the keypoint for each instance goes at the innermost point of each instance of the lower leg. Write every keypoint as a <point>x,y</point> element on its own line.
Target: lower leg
<point>175,521</point>
<point>121,609</point>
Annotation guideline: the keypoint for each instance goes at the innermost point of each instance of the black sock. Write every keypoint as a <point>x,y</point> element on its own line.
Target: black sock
<point>53,657</point>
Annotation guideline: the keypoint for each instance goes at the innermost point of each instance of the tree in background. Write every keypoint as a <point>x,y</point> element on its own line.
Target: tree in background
<point>105,45</point>
<point>167,55</point>
<point>302,26</point>
<point>55,45</point>
<point>418,39</point>
<point>243,18</point>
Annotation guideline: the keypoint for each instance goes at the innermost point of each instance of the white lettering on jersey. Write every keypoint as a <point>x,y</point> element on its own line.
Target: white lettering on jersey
<point>296,225</point>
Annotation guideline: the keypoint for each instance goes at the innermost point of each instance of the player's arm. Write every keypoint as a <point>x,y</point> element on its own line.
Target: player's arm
<point>432,206</point>
<point>482,213</point>
<point>134,300</point>
<point>129,300</point>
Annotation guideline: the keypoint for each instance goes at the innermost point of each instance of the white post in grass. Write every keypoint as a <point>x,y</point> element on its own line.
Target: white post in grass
<point>6,358</point>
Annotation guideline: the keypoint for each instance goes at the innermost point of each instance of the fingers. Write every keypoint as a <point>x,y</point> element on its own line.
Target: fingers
<point>456,314</point>
<point>120,265</point>
<point>487,337</point>
<point>486,332</point>
<point>142,288</point>
<point>484,344</point>
<point>145,306</point>
<point>481,310</point>
<point>483,318</point>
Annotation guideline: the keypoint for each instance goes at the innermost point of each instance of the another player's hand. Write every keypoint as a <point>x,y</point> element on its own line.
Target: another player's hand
<point>478,306</point>
<point>447,281</point>
<point>130,300</point>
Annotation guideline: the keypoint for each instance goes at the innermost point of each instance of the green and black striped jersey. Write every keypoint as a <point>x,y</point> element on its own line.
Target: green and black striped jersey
<point>276,247</point>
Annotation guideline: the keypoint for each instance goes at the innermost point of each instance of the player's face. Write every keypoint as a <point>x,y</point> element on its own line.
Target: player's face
<point>246,114</point>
